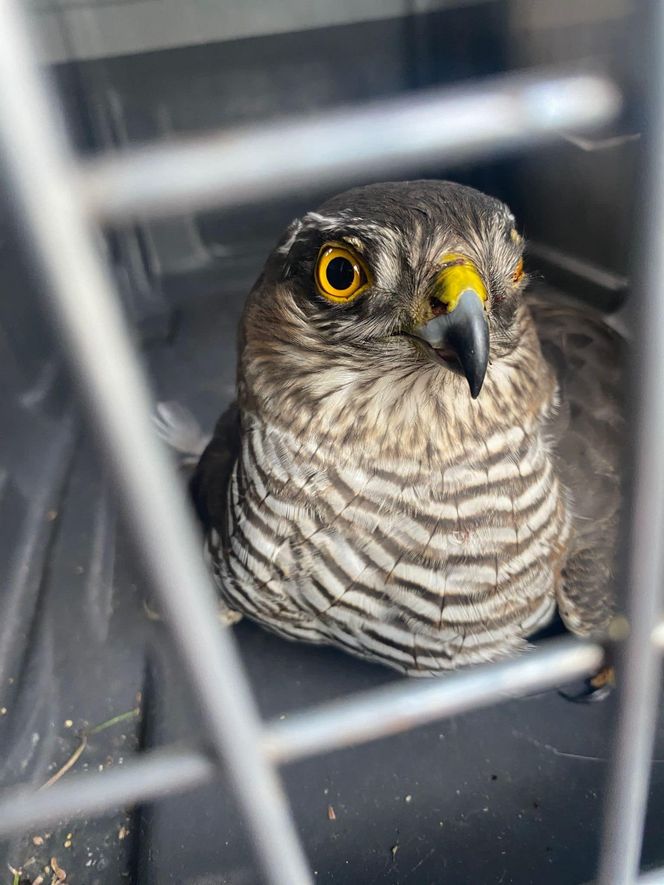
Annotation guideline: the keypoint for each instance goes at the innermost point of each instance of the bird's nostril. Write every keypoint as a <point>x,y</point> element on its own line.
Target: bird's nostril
<point>437,306</point>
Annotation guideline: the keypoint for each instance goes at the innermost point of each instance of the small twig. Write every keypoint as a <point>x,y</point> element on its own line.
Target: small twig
<point>121,717</point>
<point>73,759</point>
<point>80,749</point>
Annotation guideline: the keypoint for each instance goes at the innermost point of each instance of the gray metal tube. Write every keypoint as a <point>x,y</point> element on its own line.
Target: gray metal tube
<point>82,300</point>
<point>363,717</point>
<point>147,777</point>
<point>386,711</point>
<point>639,665</point>
<point>252,164</point>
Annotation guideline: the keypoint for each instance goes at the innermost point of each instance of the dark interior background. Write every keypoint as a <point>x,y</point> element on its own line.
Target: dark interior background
<point>507,795</point>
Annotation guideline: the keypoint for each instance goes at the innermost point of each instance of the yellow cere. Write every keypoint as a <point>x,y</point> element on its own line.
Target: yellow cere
<point>458,273</point>
<point>340,273</point>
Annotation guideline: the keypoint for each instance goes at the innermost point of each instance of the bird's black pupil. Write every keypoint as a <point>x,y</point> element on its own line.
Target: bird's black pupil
<point>340,274</point>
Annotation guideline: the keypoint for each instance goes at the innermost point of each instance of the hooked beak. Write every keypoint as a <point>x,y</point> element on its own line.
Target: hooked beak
<point>453,324</point>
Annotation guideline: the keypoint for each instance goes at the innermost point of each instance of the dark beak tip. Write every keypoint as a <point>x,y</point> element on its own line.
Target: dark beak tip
<point>475,378</point>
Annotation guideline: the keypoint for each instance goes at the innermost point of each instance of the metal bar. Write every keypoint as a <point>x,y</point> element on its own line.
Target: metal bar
<point>364,717</point>
<point>579,267</point>
<point>94,336</point>
<point>654,877</point>
<point>252,164</point>
<point>639,664</point>
<point>151,776</point>
<point>386,711</point>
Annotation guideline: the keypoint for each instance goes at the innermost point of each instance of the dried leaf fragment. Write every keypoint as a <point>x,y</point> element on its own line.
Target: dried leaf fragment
<point>59,875</point>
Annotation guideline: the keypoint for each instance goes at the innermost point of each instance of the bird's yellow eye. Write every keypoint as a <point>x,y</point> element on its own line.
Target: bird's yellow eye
<point>518,271</point>
<point>340,274</point>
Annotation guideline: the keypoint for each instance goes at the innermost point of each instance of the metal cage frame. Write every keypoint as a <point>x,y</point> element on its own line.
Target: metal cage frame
<point>62,198</point>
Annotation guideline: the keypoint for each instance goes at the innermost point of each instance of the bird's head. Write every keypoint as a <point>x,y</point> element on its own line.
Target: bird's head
<point>420,279</point>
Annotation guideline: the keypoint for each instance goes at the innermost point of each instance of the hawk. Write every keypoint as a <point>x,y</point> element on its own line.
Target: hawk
<point>422,464</point>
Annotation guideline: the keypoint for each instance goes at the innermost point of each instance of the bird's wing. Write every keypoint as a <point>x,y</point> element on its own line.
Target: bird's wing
<point>209,483</point>
<point>587,434</point>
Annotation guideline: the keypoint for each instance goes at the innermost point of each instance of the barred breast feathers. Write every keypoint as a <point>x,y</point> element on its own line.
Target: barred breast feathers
<point>433,542</point>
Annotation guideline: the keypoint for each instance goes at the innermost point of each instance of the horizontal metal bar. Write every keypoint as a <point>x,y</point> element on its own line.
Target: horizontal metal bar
<point>654,877</point>
<point>579,267</point>
<point>397,708</point>
<point>151,776</point>
<point>251,164</point>
<point>362,717</point>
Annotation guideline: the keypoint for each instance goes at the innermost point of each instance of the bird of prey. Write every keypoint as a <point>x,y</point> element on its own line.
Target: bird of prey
<point>422,464</point>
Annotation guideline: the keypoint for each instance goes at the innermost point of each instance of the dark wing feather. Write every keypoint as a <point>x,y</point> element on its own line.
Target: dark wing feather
<point>587,433</point>
<point>209,484</point>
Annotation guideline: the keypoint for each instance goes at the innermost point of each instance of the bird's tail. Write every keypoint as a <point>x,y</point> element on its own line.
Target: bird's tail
<point>181,432</point>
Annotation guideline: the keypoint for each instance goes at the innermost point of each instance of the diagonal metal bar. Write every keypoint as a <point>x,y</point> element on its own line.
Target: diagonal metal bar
<point>381,712</point>
<point>151,776</point>
<point>250,164</point>
<point>87,314</point>
<point>639,666</point>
